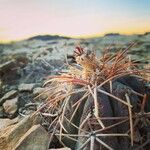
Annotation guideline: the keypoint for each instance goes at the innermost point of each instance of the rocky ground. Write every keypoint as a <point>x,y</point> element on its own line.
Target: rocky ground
<point>25,65</point>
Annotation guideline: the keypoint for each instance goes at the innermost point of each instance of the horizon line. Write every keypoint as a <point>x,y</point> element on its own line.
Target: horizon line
<point>73,37</point>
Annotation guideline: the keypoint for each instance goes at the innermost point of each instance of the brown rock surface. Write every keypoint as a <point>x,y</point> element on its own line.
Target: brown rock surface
<point>36,138</point>
<point>10,136</point>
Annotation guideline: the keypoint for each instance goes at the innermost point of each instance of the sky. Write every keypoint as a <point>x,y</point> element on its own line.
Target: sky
<point>20,19</point>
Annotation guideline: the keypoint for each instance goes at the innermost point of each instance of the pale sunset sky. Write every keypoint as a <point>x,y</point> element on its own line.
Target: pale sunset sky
<point>20,19</point>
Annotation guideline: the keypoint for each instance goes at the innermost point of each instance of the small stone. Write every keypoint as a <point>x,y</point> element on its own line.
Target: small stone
<point>7,66</point>
<point>38,90</point>
<point>1,111</point>
<point>7,122</point>
<point>8,95</point>
<point>35,138</point>
<point>28,109</point>
<point>26,87</point>
<point>65,148</point>
<point>11,106</point>
<point>21,58</point>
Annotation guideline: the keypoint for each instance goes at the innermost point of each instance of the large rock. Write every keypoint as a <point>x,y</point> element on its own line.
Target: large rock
<point>10,136</point>
<point>8,95</point>
<point>36,138</point>
<point>11,106</point>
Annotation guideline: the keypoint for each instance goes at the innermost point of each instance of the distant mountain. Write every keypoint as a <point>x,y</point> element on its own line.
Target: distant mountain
<point>112,34</point>
<point>146,33</point>
<point>47,37</point>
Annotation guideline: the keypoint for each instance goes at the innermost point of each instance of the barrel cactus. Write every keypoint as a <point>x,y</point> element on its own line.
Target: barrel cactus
<point>99,103</point>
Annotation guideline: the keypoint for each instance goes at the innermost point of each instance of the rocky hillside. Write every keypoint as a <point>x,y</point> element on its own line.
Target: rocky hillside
<point>25,65</point>
<point>30,61</point>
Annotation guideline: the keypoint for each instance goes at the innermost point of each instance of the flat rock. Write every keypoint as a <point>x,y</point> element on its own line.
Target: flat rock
<point>10,136</point>
<point>65,148</point>
<point>8,95</point>
<point>26,87</point>
<point>11,106</point>
<point>36,138</point>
